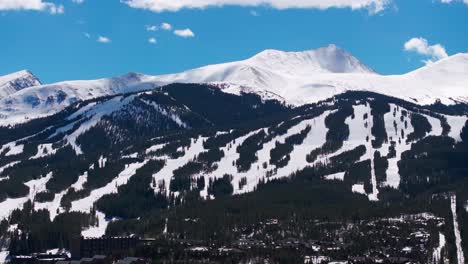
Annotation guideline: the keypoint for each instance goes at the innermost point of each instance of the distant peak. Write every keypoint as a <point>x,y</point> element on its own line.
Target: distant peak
<point>331,47</point>
<point>18,74</point>
<point>329,58</point>
<point>18,80</point>
<point>132,76</point>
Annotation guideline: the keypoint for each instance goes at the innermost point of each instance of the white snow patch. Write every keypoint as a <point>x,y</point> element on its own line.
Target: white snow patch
<point>4,255</point>
<point>456,230</point>
<point>13,149</point>
<point>154,148</point>
<point>435,125</point>
<point>393,175</point>
<point>358,188</point>
<point>11,164</point>
<point>100,229</point>
<point>102,162</point>
<point>53,207</point>
<point>166,173</point>
<point>35,186</point>
<point>94,115</point>
<point>44,150</point>
<point>337,176</point>
<point>437,254</point>
<point>85,204</point>
<point>456,124</point>
<point>78,185</point>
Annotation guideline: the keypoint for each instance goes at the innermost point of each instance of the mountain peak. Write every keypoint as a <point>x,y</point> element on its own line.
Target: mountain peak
<point>16,81</point>
<point>327,59</point>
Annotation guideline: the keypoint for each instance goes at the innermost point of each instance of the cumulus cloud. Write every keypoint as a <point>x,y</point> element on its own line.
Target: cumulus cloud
<point>151,28</point>
<point>78,1</point>
<point>184,33</point>
<point>103,39</point>
<point>421,46</point>
<point>166,26</point>
<point>36,5</point>
<point>152,40</point>
<point>374,6</point>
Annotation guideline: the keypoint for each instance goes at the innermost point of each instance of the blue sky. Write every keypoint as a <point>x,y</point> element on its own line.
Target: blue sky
<point>58,40</point>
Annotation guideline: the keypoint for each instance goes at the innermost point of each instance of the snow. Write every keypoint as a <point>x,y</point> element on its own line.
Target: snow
<point>165,174</point>
<point>3,255</point>
<point>78,185</point>
<point>53,207</point>
<point>199,249</point>
<point>44,150</point>
<point>85,204</point>
<point>35,186</point>
<point>167,113</point>
<point>358,134</point>
<point>437,254</point>
<point>56,251</point>
<point>393,175</point>
<point>11,164</point>
<point>358,188</point>
<point>337,176</point>
<point>297,78</point>
<point>456,124</point>
<point>44,100</point>
<point>456,230</point>
<point>102,162</point>
<point>100,229</point>
<point>11,83</point>
<point>435,125</point>
<point>13,149</point>
<point>315,139</point>
<point>154,148</point>
<point>93,116</point>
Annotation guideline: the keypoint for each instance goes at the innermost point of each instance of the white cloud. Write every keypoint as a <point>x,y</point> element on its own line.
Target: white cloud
<point>78,1</point>
<point>151,28</point>
<point>374,6</point>
<point>36,5</point>
<point>184,33</point>
<point>254,13</point>
<point>166,26</point>
<point>152,40</point>
<point>452,1</point>
<point>103,39</point>
<point>421,46</point>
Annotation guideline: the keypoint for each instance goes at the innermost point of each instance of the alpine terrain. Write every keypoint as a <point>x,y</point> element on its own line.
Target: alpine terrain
<point>285,157</point>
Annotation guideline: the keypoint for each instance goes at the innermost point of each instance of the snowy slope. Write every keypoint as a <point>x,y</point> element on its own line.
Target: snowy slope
<point>296,78</point>
<point>308,80</point>
<point>44,100</point>
<point>14,82</point>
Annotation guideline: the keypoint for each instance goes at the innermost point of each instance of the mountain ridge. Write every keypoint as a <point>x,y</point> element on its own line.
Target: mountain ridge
<point>294,78</point>
<point>17,81</point>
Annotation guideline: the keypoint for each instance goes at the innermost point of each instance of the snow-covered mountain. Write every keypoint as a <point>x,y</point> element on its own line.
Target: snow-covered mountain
<point>43,100</point>
<point>296,78</point>
<point>14,82</point>
<point>306,77</point>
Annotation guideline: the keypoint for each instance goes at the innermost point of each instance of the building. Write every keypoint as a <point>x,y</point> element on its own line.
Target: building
<point>89,247</point>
